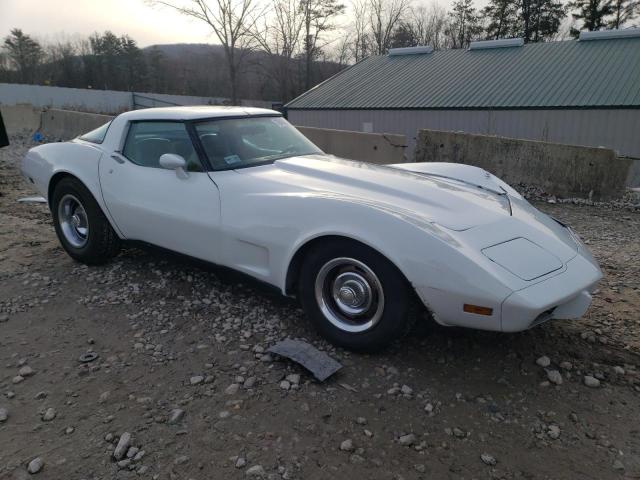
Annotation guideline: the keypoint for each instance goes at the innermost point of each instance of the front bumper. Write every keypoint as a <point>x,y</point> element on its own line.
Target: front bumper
<point>563,296</point>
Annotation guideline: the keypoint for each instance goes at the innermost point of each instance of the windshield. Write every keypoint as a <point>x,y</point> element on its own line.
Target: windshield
<point>97,135</point>
<point>244,142</point>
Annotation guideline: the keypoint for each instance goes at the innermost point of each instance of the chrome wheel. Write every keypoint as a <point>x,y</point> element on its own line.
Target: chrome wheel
<point>73,221</point>
<point>349,295</point>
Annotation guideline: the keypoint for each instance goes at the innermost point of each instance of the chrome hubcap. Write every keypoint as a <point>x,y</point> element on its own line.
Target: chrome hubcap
<point>73,221</point>
<point>349,294</point>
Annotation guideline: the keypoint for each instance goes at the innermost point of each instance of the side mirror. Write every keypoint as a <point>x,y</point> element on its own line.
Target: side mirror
<point>171,161</point>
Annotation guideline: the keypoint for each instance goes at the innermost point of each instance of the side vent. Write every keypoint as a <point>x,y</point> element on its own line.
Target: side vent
<point>410,50</point>
<point>609,34</point>
<point>502,43</point>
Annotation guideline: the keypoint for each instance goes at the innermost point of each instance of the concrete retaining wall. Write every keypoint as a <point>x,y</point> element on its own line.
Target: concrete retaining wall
<point>65,124</point>
<point>610,128</point>
<point>378,148</point>
<point>562,170</point>
<point>62,125</point>
<point>20,118</point>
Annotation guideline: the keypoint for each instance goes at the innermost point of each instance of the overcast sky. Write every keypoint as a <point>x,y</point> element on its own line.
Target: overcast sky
<point>69,19</point>
<point>52,19</point>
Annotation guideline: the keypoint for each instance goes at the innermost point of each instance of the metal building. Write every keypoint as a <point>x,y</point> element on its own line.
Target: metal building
<point>580,92</point>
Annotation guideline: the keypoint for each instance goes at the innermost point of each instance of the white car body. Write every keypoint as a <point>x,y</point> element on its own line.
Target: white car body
<point>458,234</point>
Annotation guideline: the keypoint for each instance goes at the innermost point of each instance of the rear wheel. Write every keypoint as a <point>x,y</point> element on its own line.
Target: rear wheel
<point>354,296</point>
<point>82,228</point>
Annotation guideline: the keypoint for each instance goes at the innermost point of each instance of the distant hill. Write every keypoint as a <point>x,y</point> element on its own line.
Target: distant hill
<point>178,50</point>
<point>201,67</point>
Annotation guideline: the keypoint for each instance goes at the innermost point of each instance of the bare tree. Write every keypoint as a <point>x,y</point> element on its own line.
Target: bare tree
<point>384,17</point>
<point>231,21</point>
<point>360,28</point>
<point>623,11</point>
<point>342,49</point>
<point>279,34</point>
<point>427,24</point>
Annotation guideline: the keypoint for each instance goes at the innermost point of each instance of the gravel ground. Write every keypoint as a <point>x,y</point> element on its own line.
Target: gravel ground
<point>181,387</point>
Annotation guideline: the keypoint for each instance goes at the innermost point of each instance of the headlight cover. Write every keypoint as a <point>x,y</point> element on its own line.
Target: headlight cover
<point>523,258</point>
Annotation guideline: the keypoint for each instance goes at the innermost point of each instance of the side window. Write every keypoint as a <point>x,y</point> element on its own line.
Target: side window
<point>148,141</point>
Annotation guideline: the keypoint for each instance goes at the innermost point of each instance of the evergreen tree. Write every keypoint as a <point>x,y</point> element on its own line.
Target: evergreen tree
<point>133,64</point>
<point>156,71</point>
<point>403,36</point>
<point>318,17</point>
<point>592,13</point>
<point>540,19</point>
<point>533,20</point>
<point>502,19</point>
<point>24,54</point>
<point>464,23</point>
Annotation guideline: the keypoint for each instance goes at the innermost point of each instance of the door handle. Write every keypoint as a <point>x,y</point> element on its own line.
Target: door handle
<point>117,157</point>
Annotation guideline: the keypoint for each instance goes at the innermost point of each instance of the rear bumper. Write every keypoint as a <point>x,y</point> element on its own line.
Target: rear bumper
<point>566,295</point>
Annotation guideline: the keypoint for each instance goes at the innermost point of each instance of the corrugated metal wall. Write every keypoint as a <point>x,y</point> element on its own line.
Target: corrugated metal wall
<point>618,129</point>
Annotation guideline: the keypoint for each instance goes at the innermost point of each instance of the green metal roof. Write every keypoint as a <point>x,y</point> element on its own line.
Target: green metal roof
<point>571,74</point>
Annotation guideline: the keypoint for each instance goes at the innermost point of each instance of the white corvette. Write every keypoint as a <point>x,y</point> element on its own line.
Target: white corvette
<point>359,244</point>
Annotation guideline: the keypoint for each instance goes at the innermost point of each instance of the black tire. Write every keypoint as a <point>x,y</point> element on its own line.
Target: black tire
<point>101,243</point>
<point>399,304</point>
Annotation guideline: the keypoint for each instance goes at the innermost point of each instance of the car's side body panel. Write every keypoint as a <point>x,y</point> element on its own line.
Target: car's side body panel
<point>157,206</point>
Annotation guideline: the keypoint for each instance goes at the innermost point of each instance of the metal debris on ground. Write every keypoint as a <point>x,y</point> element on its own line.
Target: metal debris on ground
<point>319,363</point>
<point>88,357</point>
<point>32,200</point>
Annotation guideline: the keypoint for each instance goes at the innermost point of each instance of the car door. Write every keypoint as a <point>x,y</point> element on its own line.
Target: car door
<point>156,205</point>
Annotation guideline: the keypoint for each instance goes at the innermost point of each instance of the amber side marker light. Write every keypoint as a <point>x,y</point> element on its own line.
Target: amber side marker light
<point>478,310</point>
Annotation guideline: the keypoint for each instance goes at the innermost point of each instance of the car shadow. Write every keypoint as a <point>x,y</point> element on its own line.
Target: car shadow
<point>427,339</point>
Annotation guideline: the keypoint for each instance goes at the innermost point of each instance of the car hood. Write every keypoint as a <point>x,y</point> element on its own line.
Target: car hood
<point>448,202</point>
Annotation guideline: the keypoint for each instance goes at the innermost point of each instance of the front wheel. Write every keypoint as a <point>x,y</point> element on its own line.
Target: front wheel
<point>82,228</point>
<point>354,296</point>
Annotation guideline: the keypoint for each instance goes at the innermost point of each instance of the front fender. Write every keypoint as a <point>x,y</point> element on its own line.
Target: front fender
<point>269,228</point>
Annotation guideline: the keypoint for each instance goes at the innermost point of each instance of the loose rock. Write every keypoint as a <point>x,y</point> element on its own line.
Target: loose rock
<point>488,459</point>
<point>543,361</point>
<point>49,415</point>
<point>255,471</point>
<point>26,371</point>
<point>347,445</point>
<point>554,432</point>
<point>176,416</point>
<point>591,382</point>
<point>123,445</point>
<point>407,440</point>
<point>232,389</point>
<point>293,379</point>
<point>554,376</point>
<point>35,465</point>
<point>285,385</point>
